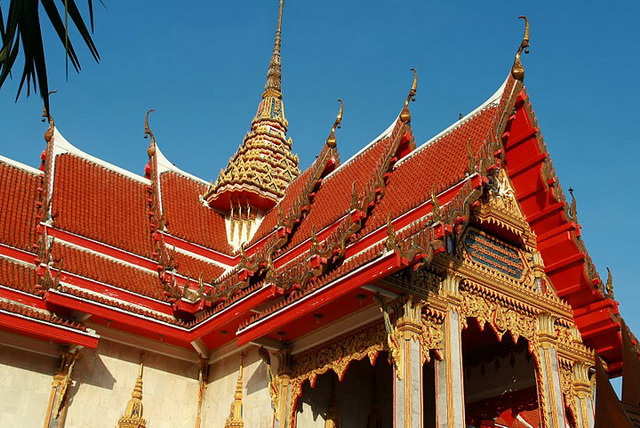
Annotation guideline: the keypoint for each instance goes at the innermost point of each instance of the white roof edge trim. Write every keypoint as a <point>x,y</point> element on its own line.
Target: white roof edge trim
<point>385,134</point>
<point>61,145</point>
<point>20,165</point>
<point>492,100</point>
<point>165,165</point>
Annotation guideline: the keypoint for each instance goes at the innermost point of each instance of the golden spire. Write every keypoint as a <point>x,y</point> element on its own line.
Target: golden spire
<point>264,166</point>
<point>331,140</point>
<point>132,417</point>
<point>235,415</point>
<point>151,150</point>
<point>273,87</point>
<point>405,115</point>
<point>517,71</point>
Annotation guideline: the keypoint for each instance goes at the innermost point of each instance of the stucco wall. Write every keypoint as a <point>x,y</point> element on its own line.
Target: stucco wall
<point>223,375</point>
<point>105,379</point>
<point>25,383</point>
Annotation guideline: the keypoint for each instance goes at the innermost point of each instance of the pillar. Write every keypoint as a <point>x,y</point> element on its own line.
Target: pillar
<point>449,370</point>
<point>583,395</point>
<point>407,386</point>
<point>548,373</point>
<point>449,375</point>
<point>280,391</point>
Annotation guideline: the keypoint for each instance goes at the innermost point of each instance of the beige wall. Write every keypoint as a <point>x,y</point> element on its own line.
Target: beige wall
<point>25,383</point>
<point>105,379</point>
<point>223,375</point>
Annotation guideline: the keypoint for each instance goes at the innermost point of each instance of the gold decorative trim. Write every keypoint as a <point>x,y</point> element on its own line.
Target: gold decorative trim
<point>132,416</point>
<point>59,396</point>
<point>235,414</point>
<point>517,71</point>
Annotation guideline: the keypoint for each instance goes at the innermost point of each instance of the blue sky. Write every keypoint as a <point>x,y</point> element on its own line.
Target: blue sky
<point>202,66</point>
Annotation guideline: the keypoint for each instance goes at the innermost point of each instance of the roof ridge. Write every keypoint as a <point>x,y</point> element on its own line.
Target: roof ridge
<point>20,165</point>
<point>61,146</point>
<point>492,101</point>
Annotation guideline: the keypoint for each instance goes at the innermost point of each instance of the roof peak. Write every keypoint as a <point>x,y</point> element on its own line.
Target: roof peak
<point>273,87</point>
<point>264,165</point>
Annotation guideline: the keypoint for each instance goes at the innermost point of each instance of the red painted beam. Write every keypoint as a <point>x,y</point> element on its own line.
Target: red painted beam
<point>16,253</point>
<point>574,258</point>
<point>515,172</point>
<point>109,312</point>
<point>22,297</point>
<point>46,331</point>
<point>567,227</point>
<point>234,311</point>
<point>319,298</point>
<point>551,209</point>
<point>116,292</point>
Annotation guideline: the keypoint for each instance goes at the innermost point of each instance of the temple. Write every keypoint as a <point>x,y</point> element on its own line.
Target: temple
<point>434,284</point>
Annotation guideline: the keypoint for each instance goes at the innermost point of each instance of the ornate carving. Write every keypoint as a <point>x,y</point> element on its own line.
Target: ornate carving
<point>500,314</point>
<point>405,114</point>
<point>331,140</point>
<point>501,208</point>
<point>62,381</point>
<point>336,355</point>
<point>132,416</point>
<point>517,71</point>
<point>235,414</point>
<point>264,164</point>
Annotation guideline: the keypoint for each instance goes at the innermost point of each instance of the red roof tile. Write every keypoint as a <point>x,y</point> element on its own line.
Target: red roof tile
<point>333,198</point>
<point>439,165</point>
<point>297,191</point>
<point>193,267</point>
<point>187,217</point>
<point>93,266</point>
<point>17,276</point>
<point>101,204</point>
<point>18,193</point>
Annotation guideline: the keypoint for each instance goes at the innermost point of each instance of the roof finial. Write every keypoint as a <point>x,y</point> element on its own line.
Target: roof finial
<point>151,150</point>
<point>609,284</point>
<point>405,115</point>
<point>273,88</point>
<point>517,71</point>
<point>331,140</point>
<point>48,134</point>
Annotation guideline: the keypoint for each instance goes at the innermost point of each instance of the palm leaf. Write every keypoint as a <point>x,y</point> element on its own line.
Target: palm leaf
<point>21,32</point>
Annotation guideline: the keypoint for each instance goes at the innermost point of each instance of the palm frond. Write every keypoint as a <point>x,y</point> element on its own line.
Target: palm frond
<point>21,31</point>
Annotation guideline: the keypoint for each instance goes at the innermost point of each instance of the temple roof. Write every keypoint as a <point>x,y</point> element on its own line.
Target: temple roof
<point>150,254</point>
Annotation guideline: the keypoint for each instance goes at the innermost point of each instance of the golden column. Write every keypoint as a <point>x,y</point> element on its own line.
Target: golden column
<point>449,371</point>
<point>548,373</point>
<point>405,348</point>
<point>583,395</point>
<point>280,390</point>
